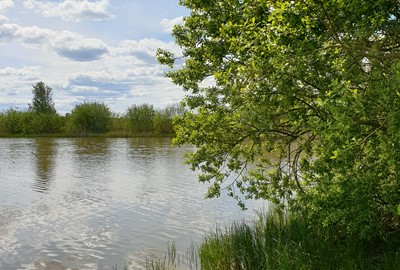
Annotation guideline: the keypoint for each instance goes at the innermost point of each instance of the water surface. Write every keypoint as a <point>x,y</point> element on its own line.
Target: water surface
<point>94,203</point>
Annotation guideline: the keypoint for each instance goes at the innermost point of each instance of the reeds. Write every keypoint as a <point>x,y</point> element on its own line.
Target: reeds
<point>174,261</point>
<point>279,241</point>
<point>283,241</point>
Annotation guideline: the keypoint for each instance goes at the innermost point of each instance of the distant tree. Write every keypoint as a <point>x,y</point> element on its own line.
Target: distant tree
<point>90,118</point>
<point>41,123</point>
<point>12,122</point>
<point>42,101</point>
<point>163,119</point>
<point>140,118</point>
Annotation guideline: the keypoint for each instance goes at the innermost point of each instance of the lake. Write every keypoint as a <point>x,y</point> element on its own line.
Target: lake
<point>94,203</point>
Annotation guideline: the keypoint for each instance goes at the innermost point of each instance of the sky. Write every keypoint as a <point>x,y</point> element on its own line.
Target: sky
<point>87,51</point>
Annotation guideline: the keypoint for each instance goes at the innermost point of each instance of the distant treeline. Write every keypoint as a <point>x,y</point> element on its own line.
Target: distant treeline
<point>89,119</point>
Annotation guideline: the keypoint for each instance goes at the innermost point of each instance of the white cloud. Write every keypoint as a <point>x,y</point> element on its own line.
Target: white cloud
<point>125,70</point>
<point>16,86</point>
<point>66,44</point>
<point>26,73</point>
<point>84,89</point>
<point>32,35</point>
<point>168,24</point>
<point>80,50</point>
<point>144,49</point>
<point>30,4</point>
<point>73,10</point>
<point>7,31</point>
<point>3,19</point>
<point>5,4</point>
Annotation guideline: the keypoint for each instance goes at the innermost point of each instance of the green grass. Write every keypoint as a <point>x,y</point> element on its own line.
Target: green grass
<point>277,241</point>
<point>173,261</point>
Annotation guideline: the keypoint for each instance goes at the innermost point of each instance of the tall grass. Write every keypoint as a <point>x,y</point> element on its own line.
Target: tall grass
<point>279,241</point>
<point>174,261</point>
<point>282,241</point>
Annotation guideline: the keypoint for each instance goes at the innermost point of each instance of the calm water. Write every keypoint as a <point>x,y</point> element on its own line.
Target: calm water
<point>95,203</point>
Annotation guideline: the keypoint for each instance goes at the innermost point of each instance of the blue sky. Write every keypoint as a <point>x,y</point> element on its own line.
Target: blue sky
<point>87,50</point>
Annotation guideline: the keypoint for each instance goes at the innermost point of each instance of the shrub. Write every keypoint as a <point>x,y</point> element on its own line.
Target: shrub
<point>163,119</point>
<point>89,118</point>
<point>12,122</point>
<point>41,123</point>
<point>140,118</point>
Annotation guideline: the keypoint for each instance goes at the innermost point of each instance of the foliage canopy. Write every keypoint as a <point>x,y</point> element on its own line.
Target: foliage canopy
<point>315,83</point>
<point>90,118</point>
<point>140,118</point>
<point>42,101</point>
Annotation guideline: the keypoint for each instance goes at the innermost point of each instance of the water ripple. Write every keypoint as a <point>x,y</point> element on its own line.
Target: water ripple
<point>94,203</point>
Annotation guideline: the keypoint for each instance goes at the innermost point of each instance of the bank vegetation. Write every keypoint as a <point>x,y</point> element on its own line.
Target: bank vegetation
<point>90,119</point>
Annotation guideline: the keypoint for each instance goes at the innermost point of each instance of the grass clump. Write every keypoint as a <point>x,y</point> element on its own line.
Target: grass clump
<point>281,241</point>
<point>174,261</point>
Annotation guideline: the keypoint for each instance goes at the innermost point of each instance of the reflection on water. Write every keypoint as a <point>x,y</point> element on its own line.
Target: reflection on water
<point>89,147</point>
<point>44,161</point>
<point>94,203</point>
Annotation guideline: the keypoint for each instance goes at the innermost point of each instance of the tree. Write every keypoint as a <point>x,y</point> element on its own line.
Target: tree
<point>42,101</point>
<point>90,118</point>
<point>34,123</point>
<point>163,119</point>
<point>12,122</point>
<point>140,118</point>
<point>316,83</point>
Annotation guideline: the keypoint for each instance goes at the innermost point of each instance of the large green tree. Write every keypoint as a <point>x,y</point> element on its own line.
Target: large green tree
<point>42,101</point>
<point>314,83</point>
